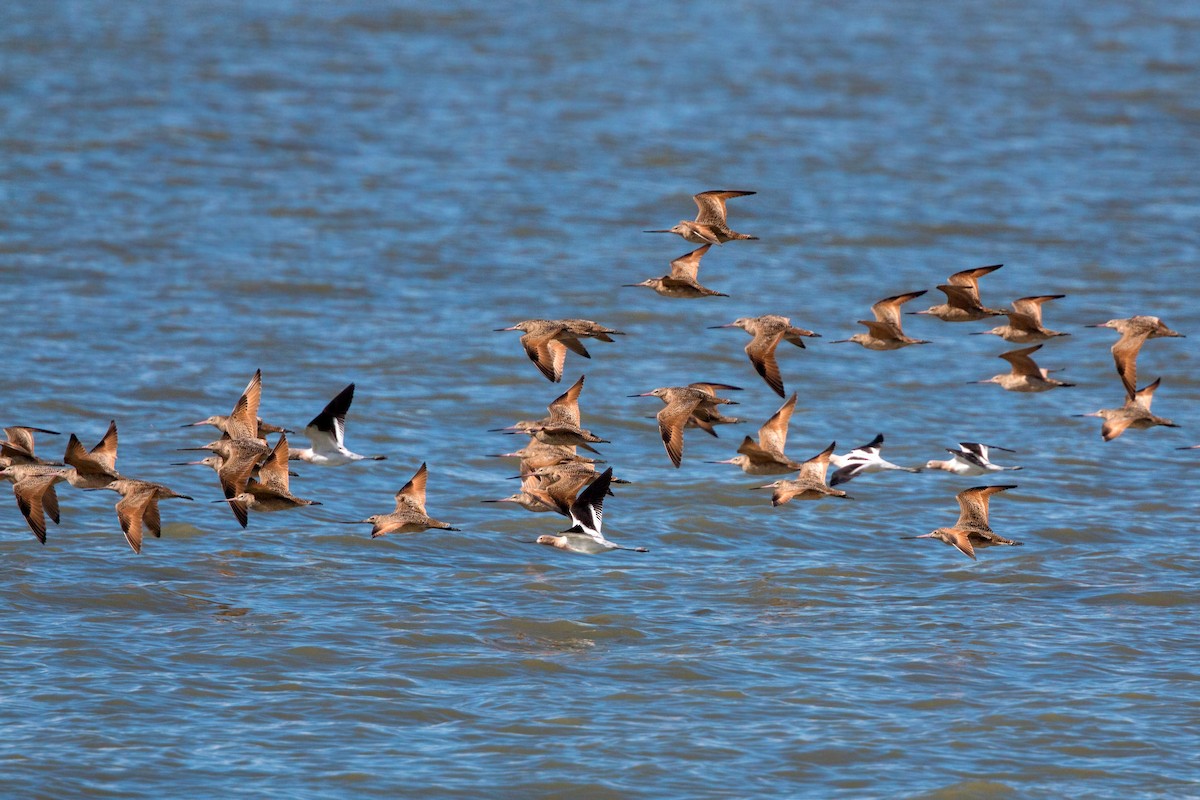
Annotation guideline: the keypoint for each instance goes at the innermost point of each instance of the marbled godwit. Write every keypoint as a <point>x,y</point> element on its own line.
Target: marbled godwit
<point>33,487</point>
<point>243,422</point>
<point>683,280</point>
<point>971,531</point>
<point>239,459</point>
<point>137,510</point>
<point>558,485</point>
<point>1135,413</point>
<point>766,457</point>
<point>409,516</point>
<point>1134,333</point>
<point>809,484</point>
<point>863,461</point>
<point>96,468</point>
<point>538,454</point>
<point>706,416</point>
<point>962,297</point>
<point>18,446</point>
<point>885,331</point>
<point>768,331</point>
<point>546,341</point>
<point>971,458</point>
<point>528,497</point>
<point>710,226</point>
<point>1026,375</point>
<point>564,408</point>
<point>1025,321</point>
<point>682,403</point>
<point>327,435</point>
<point>271,492</point>
<point>585,534</point>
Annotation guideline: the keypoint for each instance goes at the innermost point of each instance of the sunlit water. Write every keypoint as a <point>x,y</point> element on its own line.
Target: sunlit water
<point>363,192</point>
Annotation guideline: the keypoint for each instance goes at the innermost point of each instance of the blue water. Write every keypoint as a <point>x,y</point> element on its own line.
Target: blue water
<point>364,191</point>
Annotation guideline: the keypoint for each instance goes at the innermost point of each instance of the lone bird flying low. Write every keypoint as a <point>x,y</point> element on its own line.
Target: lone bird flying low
<point>971,531</point>
<point>409,515</point>
<point>710,225</point>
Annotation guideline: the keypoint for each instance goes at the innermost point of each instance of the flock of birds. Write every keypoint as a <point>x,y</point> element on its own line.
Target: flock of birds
<point>254,476</point>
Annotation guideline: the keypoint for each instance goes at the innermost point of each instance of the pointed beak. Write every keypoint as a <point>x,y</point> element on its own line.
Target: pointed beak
<point>504,329</point>
<point>185,463</point>
<point>194,424</point>
<point>659,231</point>
<point>727,325</point>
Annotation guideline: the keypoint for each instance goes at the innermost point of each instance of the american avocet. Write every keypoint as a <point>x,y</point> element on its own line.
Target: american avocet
<point>585,534</point>
<point>327,435</point>
<point>971,458</point>
<point>862,461</point>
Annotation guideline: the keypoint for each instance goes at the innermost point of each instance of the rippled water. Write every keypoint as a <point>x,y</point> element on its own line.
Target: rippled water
<point>362,192</point>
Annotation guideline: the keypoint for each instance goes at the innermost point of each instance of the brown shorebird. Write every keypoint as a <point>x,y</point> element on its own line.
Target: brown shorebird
<point>1025,321</point>
<point>528,498</point>
<point>537,454</point>
<point>33,487</point>
<point>1134,414</point>
<point>971,531</point>
<point>885,331</point>
<point>863,460</point>
<point>239,460</point>
<point>562,425</point>
<point>243,422</point>
<point>683,280</point>
<point>95,468</point>
<point>710,225</point>
<point>1134,333</point>
<point>558,484</point>
<point>137,510</point>
<point>271,492</point>
<point>586,511</point>
<point>1026,375</point>
<point>962,297</point>
<point>18,446</point>
<point>409,516</point>
<point>546,341</point>
<point>768,331</point>
<point>682,403</point>
<point>971,458</point>
<point>809,484</point>
<point>706,416</point>
<point>766,457</point>
<point>327,435</point>
<point>564,408</point>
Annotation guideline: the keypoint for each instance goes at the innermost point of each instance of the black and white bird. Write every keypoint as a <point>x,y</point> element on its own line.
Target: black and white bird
<point>584,535</point>
<point>862,461</point>
<point>327,435</point>
<point>970,459</point>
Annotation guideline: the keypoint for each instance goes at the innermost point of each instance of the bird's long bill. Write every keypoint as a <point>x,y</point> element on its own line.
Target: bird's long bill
<point>661,230</point>
<point>513,328</point>
<point>189,449</point>
<point>727,325</point>
<point>195,424</point>
<point>922,536</point>
<point>526,541</point>
<point>185,463</point>
<point>643,394</point>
